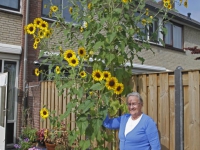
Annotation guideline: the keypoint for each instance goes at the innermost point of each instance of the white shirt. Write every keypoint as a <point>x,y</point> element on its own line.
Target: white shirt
<point>131,124</point>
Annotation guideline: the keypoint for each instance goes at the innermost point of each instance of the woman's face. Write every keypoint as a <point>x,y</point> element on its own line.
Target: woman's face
<point>134,105</point>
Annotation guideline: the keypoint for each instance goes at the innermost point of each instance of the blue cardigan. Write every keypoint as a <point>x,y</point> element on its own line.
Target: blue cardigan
<point>143,137</point>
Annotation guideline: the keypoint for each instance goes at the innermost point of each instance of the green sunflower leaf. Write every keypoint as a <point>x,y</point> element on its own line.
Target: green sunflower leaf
<point>97,86</point>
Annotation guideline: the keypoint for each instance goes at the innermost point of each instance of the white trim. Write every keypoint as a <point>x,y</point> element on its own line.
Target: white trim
<point>12,49</point>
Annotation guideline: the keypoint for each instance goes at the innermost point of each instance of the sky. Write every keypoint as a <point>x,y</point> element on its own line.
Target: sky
<point>193,8</point>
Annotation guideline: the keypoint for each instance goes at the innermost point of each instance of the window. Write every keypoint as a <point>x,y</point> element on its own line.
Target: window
<point>149,31</point>
<point>62,5</point>
<point>10,4</point>
<point>174,37</point>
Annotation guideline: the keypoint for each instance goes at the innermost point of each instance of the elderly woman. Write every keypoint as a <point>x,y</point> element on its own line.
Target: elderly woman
<point>137,131</point>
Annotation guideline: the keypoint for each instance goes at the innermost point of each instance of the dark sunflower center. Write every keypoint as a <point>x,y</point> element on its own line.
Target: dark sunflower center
<point>111,83</point>
<point>31,28</point>
<point>38,22</point>
<point>118,88</point>
<point>105,75</point>
<point>98,75</point>
<point>43,25</point>
<point>44,112</point>
<point>73,61</point>
<point>69,55</point>
<point>81,51</point>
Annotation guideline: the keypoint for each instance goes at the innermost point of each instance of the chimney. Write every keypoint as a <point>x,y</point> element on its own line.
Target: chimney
<point>189,14</point>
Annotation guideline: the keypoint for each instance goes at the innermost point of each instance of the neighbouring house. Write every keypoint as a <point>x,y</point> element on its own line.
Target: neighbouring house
<point>17,55</point>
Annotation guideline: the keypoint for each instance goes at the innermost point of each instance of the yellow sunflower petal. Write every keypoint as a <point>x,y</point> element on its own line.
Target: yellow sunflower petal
<point>68,54</point>
<point>106,75</point>
<point>57,70</point>
<point>37,72</point>
<point>111,83</point>
<point>119,88</point>
<point>73,61</point>
<point>30,28</point>
<point>97,75</point>
<point>82,74</point>
<point>44,113</point>
<point>81,51</point>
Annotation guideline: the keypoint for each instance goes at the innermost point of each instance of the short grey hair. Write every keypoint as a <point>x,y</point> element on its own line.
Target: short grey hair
<point>134,94</point>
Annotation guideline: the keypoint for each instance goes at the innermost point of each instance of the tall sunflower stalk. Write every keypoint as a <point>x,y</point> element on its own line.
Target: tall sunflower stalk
<point>92,57</point>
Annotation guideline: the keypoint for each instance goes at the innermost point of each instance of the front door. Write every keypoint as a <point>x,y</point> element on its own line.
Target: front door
<point>3,108</point>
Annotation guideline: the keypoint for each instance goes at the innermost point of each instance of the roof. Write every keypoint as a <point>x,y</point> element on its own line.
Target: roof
<point>155,6</point>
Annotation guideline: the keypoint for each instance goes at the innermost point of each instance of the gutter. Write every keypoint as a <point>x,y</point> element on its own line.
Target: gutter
<point>25,61</point>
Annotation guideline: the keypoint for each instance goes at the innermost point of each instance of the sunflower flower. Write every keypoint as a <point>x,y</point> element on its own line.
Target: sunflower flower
<point>44,113</point>
<point>47,33</point>
<point>168,1</point>
<point>82,74</point>
<point>166,4</point>
<point>41,34</point>
<point>125,1</point>
<point>147,12</point>
<point>144,22</point>
<point>169,6</point>
<point>106,75</point>
<point>70,10</point>
<point>89,6</point>
<point>37,22</point>
<point>111,83</point>
<point>37,72</point>
<point>30,28</point>
<point>44,25</point>
<point>97,75</point>
<point>37,40</point>
<point>81,51</point>
<point>68,54</point>
<point>73,61</point>
<point>54,8</point>
<point>186,3</point>
<point>35,45</point>
<point>57,70</point>
<point>119,88</point>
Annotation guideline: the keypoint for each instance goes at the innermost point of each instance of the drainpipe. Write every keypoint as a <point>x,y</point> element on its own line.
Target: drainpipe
<point>24,100</point>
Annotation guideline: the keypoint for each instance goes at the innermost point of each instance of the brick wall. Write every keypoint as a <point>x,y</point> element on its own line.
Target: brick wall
<point>10,28</point>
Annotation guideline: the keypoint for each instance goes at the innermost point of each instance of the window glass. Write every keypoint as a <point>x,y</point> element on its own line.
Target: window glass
<point>174,36</point>
<point>168,36</point>
<point>177,36</point>
<point>10,4</point>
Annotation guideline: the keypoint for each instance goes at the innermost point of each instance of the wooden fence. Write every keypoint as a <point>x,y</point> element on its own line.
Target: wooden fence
<point>158,92</point>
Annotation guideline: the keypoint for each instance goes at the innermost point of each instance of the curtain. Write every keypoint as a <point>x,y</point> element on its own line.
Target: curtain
<point>168,36</point>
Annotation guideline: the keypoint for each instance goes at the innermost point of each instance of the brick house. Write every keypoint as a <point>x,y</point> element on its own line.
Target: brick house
<point>17,56</point>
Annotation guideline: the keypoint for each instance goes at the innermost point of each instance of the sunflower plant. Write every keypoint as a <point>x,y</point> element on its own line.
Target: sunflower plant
<point>58,133</point>
<point>92,57</point>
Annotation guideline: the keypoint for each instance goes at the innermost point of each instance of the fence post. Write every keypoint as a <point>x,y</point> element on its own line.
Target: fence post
<point>179,111</point>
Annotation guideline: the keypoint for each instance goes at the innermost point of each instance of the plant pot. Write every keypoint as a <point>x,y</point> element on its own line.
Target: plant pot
<point>50,146</point>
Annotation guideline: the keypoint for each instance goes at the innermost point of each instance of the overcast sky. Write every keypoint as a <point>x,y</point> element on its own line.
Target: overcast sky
<point>193,8</point>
